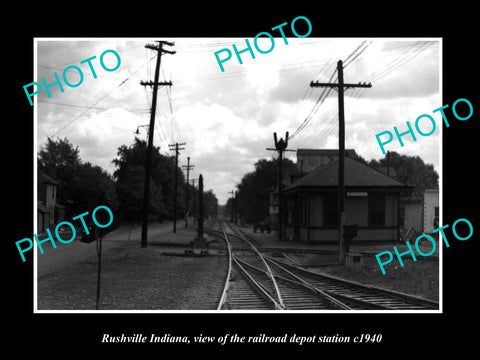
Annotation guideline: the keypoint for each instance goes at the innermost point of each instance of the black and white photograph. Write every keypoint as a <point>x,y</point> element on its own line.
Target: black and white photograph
<point>204,182</point>
<point>247,191</point>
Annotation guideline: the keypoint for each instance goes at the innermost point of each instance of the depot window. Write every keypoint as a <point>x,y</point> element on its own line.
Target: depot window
<point>330,210</point>
<point>376,209</point>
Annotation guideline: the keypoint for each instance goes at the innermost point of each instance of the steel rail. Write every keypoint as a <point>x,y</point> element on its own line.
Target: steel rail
<point>414,300</point>
<point>264,293</point>
<point>229,271</point>
<point>305,283</point>
<point>302,284</point>
<point>335,298</point>
<point>275,285</point>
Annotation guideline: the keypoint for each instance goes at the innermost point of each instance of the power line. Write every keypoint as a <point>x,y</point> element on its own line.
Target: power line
<point>327,126</point>
<point>97,102</point>
<point>57,66</point>
<point>359,52</point>
<point>353,55</point>
<point>315,108</point>
<point>87,107</point>
<point>406,56</point>
<point>354,51</point>
<point>308,93</point>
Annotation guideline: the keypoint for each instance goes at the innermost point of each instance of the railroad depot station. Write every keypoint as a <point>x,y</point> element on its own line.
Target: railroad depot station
<point>382,208</point>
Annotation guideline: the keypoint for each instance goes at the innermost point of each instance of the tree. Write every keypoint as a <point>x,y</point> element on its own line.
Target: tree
<point>80,183</point>
<point>254,189</point>
<point>89,183</point>
<point>129,177</point>
<point>59,159</point>
<point>410,170</point>
<point>210,204</point>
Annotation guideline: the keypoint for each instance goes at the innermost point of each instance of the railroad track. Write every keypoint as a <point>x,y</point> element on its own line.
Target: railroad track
<point>242,290</point>
<point>357,296</point>
<point>253,285</point>
<point>256,281</point>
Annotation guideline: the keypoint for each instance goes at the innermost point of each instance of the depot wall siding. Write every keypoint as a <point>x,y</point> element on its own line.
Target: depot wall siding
<point>314,229</point>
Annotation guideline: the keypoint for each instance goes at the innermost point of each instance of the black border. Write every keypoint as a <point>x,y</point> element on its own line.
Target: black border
<point>406,333</point>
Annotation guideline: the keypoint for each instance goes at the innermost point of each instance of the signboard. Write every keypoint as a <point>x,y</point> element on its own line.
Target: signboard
<point>357,193</point>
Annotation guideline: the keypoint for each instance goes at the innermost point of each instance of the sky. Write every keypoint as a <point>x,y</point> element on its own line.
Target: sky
<point>227,119</point>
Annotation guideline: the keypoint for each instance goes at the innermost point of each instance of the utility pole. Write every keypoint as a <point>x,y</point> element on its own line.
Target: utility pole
<point>188,167</point>
<point>232,205</point>
<point>235,208</point>
<point>148,159</point>
<point>177,152</point>
<point>194,209</point>
<point>341,87</point>
<point>280,146</point>
<point>200,208</point>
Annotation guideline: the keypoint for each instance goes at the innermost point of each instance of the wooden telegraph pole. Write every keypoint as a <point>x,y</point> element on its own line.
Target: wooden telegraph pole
<point>194,206</point>
<point>148,158</point>
<point>177,152</point>
<point>188,167</point>
<point>341,87</point>
<point>200,208</point>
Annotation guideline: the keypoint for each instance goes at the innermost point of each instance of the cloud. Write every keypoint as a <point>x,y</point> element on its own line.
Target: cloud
<point>292,85</point>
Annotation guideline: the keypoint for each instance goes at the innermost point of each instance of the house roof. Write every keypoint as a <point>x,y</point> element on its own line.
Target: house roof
<point>44,178</point>
<point>357,174</point>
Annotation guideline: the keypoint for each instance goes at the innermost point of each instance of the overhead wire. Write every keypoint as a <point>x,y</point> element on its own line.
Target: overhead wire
<point>330,125</point>
<point>407,55</point>
<point>97,102</point>
<point>326,91</point>
<point>88,107</point>
<point>316,106</point>
<point>353,57</point>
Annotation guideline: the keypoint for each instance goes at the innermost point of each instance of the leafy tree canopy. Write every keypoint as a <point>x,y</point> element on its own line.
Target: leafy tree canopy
<point>410,170</point>
<point>80,184</point>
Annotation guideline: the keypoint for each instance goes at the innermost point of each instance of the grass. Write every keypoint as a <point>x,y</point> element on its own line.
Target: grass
<point>420,278</point>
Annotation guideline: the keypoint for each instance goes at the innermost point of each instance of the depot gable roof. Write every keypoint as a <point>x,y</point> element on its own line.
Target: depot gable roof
<point>357,174</point>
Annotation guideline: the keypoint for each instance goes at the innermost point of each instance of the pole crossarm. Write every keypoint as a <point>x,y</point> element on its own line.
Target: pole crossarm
<point>282,150</point>
<point>335,85</point>
<point>152,83</point>
<point>157,47</point>
<point>176,147</point>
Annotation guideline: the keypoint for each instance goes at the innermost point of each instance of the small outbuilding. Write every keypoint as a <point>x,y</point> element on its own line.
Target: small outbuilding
<point>48,211</point>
